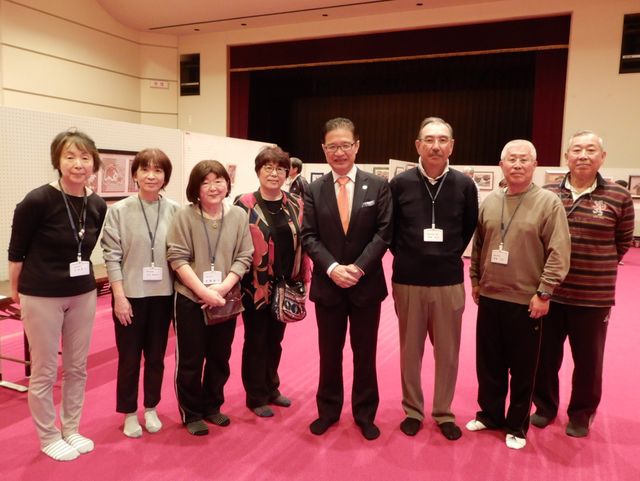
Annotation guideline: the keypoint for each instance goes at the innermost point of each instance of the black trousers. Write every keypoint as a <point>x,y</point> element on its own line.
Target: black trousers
<point>261,354</point>
<point>507,342</point>
<point>586,328</point>
<point>202,360</point>
<point>147,333</point>
<point>363,331</point>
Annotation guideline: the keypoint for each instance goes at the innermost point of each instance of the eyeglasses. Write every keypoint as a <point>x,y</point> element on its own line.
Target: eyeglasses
<point>268,169</point>
<point>430,141</point>
<point>345,147</point>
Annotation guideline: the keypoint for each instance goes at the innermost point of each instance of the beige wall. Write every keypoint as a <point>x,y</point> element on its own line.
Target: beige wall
<point>70,56</point>
<point>597,97</point>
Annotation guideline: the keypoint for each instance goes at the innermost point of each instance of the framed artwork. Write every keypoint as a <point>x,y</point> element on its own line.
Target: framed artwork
<point>399,169</point>
<point>554,176</point>
<point>484,180</point>
<point>634,186</point>
<point>316,175</point>
<point>382,172</point>
<point>113,180</point>
<point>231,169</point>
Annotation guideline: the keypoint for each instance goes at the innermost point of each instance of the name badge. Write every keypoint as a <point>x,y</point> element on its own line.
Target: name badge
<point>433,235</point>
<point>211,277</point>
<point>79,268</point>
<point>499,256</point>
<point>152,273</point>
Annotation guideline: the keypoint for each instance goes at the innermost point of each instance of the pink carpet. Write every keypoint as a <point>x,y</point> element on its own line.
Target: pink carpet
<point>281,448</point>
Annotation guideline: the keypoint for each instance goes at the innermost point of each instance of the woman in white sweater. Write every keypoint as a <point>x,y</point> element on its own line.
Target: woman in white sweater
<point>134,246</point>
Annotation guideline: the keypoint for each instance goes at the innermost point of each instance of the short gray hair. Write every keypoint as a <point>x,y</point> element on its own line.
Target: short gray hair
<point>580,133</point>
<point>513,143</point>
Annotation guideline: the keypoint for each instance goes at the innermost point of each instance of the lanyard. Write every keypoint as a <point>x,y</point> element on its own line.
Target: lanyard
<point>504,229</point>
<point>433,197</point>
<point>78,235</point>
<point>152,237</point>
<point>215,247</point>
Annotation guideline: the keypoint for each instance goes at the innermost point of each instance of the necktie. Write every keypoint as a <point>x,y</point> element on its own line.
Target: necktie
<point>343,202</point>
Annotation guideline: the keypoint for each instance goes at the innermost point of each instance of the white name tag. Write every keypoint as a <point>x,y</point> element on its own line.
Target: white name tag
<point>498,256</point>
<point>152,273</point>
<point>433,235</point>
<point>211,277</point>
<point>80,268</point>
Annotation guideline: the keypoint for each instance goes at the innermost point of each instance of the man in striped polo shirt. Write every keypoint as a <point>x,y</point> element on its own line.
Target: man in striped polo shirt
<point>601,220</point>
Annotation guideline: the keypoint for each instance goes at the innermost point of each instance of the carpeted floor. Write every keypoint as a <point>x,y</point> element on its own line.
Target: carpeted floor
<point>281,448</point>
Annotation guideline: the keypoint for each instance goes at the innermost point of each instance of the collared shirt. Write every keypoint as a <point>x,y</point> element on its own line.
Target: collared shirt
<point>431,180</point>
<point>575,194</point>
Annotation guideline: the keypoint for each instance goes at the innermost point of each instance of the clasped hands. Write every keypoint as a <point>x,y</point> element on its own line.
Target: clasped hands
<point>346,276</point>
<point>214,296</point>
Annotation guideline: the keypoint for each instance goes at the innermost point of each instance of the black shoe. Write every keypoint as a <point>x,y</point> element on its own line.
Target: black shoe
<point>197,428</point>
<point>410,426</point>
<point>576,431</point>
<point>218,419</point>
<point>450,430</point>
<point>320,426</point>
<point>370,431</point>
<point>540,421</point>
<point>280,400</point>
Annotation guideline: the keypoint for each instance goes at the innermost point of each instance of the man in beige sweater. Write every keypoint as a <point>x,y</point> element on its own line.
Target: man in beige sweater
<point>521,253</point>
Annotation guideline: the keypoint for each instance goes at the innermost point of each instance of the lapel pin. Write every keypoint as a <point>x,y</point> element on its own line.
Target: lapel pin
<point>364,187</point>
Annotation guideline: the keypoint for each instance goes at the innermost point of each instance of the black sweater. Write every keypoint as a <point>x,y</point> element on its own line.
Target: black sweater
<point>422,263</point>
<point>42,239</point>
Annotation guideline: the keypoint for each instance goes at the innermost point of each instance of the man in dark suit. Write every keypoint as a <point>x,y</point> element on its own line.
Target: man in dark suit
<point>346,231</point>
<point>296,184</point>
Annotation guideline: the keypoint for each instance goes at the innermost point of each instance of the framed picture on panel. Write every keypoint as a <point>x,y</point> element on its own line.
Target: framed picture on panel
<point>113,181</point>
<point>484,180</point>
<point>382,172</point>
<point>554,176</point>
<point>634,186</point>
<point>316,175</point>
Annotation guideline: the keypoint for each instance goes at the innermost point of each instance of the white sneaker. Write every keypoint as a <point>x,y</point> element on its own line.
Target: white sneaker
<point>475,425</point>
<point>78,441</point>
<point>515,442</point>
<point>151,421</point>
<point>61,451</point>
<point>132,428</point>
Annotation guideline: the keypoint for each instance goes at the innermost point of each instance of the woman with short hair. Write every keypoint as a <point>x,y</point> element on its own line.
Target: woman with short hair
<point>54,231</point>
<point>209,248</point>
<point>134,250</point>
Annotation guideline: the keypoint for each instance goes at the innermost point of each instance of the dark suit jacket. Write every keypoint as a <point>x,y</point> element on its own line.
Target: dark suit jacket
<point>298,186</point>
<point>366,241</point>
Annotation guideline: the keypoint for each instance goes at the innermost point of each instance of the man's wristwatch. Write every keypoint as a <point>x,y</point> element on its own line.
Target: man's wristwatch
<point>545,296</point>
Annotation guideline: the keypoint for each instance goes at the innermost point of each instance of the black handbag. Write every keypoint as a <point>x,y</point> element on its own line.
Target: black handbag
<point>288,301</point>
<point>233,307</point>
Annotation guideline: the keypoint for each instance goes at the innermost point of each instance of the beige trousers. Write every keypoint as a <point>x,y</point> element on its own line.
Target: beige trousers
<point>46,321</point>
<point>435,312</point>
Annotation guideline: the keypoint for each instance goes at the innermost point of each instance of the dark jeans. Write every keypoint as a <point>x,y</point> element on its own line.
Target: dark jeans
<point>507,343</point>
<point>586,328</point>
<point>202,360</point>
<point>261,355</point>
<point>147,333</point>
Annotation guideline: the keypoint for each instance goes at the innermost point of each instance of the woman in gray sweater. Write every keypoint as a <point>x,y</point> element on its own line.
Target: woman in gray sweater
<point>134,250</point>
<point>209,248</point>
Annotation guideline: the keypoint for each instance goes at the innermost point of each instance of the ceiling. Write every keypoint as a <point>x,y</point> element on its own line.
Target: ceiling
<point>179,17</point>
